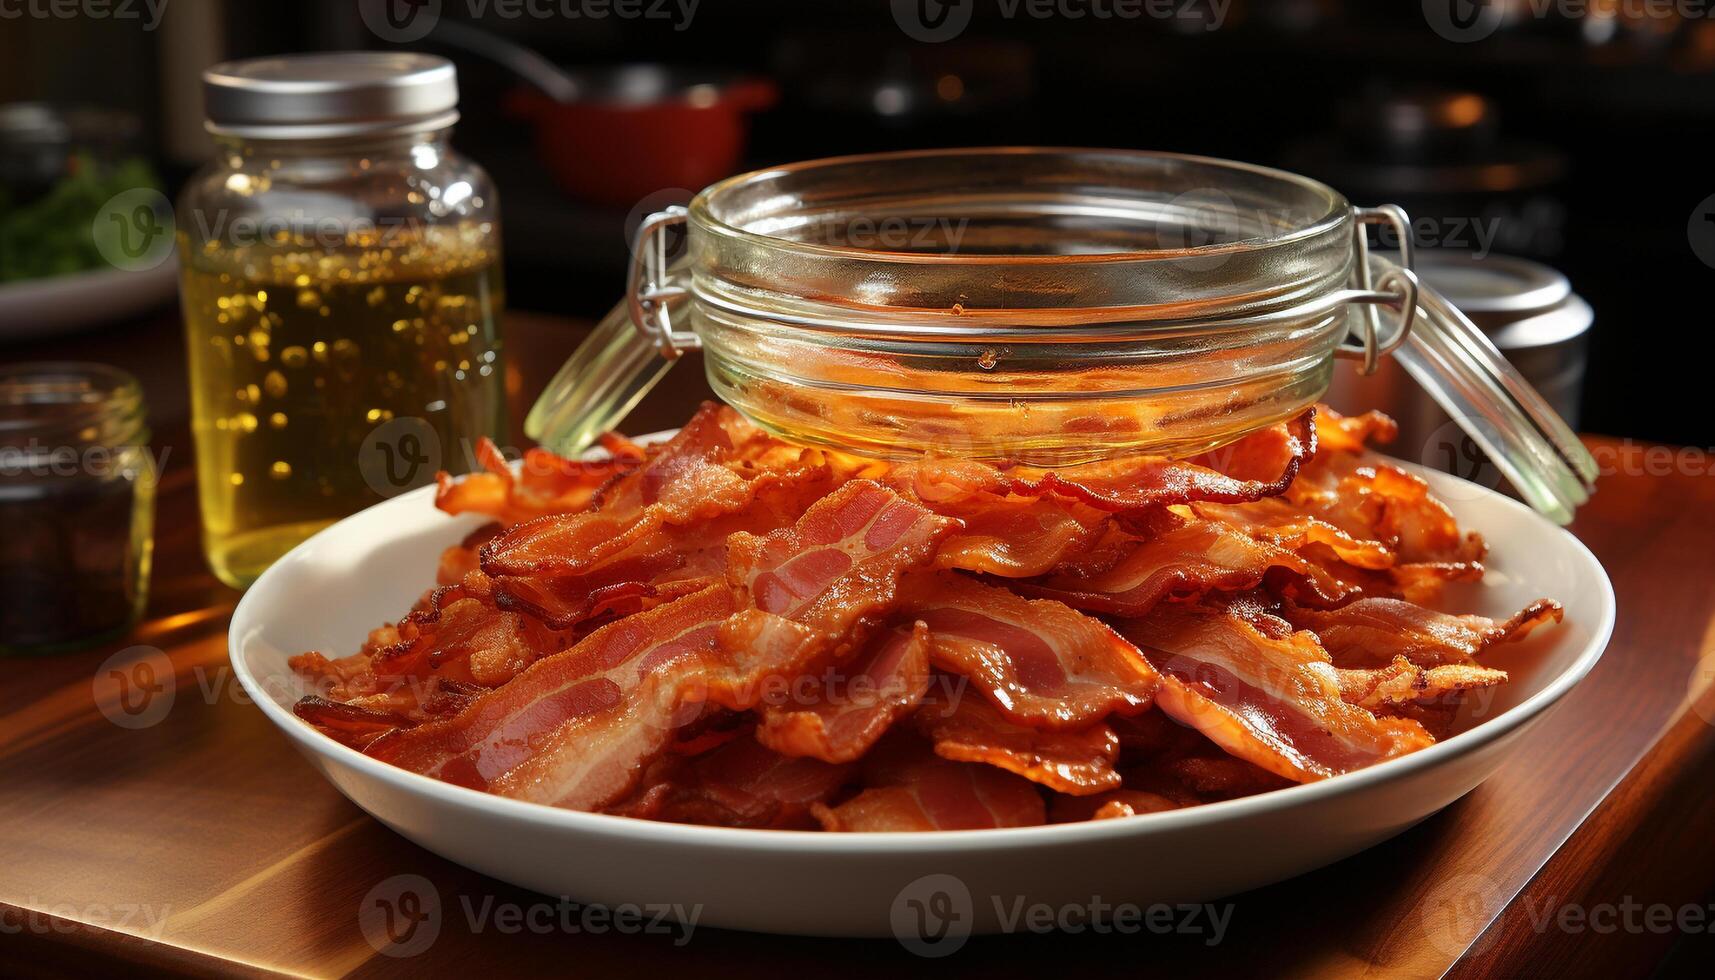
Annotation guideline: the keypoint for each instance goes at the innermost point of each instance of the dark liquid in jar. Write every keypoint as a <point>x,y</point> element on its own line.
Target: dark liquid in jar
<point>69,560</point>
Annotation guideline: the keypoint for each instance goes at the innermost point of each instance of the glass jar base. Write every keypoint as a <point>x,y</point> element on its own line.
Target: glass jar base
<point>240,559</point>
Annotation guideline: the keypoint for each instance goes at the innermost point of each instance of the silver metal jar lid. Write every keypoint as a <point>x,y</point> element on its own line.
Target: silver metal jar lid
<point>320,96</point>
<point>1519,303</point>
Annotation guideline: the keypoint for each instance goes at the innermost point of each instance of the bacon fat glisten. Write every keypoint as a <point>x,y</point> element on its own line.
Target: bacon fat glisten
<point>727,629</point>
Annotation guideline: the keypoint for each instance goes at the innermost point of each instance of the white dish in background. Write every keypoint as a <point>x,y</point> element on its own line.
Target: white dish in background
<point>368,569</point>
<point>33,308</point>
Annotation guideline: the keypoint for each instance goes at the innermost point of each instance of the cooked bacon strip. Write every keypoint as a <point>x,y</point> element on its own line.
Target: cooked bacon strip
<point>1040,662</point>
<point>929,793</point>
<point>1222,777</point>
<point>934,480</point>
<point>1285,526</point>
<point>577,728</point>
<point>1271,701</point>
<point>686,470</point>
<point>567,544</point>
<point>545,483</point>
<point>564,601</point>
<point>1140,483</point>
<point>1260,456</point>
<point>971,730</point>
<point>1107,806</point>
<point>1375,501</point>
<point>841,561</point>
<point>838,718</point>
<point>1403,682</point>
<point>740,784</point>
<point>1374,632</point>
<point>1188,560</point>
<point>683,483</point>
<point>462,636</point>
<point>1349,433</point>
<point>1018,537</point>
<point>350,724</point>
<point>590,761</point>
<point>496,733</point>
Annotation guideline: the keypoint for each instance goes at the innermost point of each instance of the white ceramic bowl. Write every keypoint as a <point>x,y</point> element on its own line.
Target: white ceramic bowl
<point>366,570</point>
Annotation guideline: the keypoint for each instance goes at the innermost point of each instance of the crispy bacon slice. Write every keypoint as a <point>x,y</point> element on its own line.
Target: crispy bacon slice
<point>685,482</point>
<point>460,634</point>
<point>685,476</point>
<point>596,759</point>
<point>349,724</point>
<point>1260,456</point>
<point>1279,523</point>
<point>1222,777</point>
<point>1108,806</point>
<point>577,728</point>
<point>845,711</point>
<point>742,783</point>
<point>1076,762</point>
<point>1018,537</point>
<point>1375,501</point>
<point>1375,632</point>
<point>545,483</point>
<point>1040,662</point>
<point>1403,682</point>
<point>564,601</point>
<point>1350,433</point>
<point>1271,701</point>
<point>1187,560</point>
<point>841,562</point>
<point>498,731</point>
<point>1142,483</point>
<point>919,791</point>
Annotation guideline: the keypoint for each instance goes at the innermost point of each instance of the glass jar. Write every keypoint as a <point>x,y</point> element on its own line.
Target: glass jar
<point>342,296</point>
<point>77,504</point>
<point>1040,306</point>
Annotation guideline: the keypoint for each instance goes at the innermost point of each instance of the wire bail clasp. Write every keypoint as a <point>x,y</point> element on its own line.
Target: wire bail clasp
<point>1396,288</point>
<point>648,291</point>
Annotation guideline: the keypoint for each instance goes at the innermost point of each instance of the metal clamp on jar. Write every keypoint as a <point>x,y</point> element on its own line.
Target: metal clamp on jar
<point>1043,306</point>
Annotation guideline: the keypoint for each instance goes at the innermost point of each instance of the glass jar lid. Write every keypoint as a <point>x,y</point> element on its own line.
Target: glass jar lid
<point>319,96</point>
<point>1041,305</point>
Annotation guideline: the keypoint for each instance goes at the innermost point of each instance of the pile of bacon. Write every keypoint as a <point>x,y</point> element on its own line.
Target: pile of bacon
<point>729,629</point>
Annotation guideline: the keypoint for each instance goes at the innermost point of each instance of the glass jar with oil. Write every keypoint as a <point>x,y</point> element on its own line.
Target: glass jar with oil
<point>342,294</point>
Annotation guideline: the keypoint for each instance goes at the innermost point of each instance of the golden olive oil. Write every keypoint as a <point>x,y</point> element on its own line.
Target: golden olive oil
<point>300,355</point>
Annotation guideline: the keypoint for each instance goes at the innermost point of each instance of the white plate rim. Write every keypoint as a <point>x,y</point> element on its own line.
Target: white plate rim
<point>931,842</point>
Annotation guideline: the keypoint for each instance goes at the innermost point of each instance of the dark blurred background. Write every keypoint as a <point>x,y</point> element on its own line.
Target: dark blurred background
<point>1565,133</point>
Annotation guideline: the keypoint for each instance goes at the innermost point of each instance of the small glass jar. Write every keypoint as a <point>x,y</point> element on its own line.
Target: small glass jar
<point>1040,306</point>
<point>342,296</point>
<point>77,505</point>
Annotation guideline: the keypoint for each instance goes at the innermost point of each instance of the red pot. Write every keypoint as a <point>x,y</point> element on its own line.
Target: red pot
<point>642,129</point>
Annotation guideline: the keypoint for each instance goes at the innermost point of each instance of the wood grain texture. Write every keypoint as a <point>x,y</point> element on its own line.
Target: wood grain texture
<point>232,856</point>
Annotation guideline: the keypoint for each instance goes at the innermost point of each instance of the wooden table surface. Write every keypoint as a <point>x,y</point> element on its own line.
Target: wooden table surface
<point>203,844</point>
